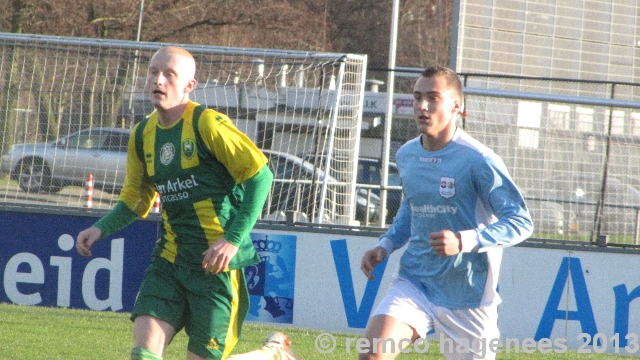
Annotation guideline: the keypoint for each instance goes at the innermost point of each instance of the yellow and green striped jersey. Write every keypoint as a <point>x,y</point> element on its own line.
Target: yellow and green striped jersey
<point>199,178</point>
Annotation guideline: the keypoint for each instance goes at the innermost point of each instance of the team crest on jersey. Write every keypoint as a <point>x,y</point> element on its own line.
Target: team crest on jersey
<point>167,152</point>
<point>447,187</point>
<point>188,148</point>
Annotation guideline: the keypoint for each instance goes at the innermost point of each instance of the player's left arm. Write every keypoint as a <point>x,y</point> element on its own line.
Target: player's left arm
<point>502,200</point>
<point>246,164</point>
<point>256,190</point>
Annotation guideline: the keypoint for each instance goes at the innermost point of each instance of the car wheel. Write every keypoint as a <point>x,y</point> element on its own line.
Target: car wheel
<point>34,176</point>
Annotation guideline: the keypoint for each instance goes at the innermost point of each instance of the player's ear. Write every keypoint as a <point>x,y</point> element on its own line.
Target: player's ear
<point>457,109</point>
<point>190,85</point>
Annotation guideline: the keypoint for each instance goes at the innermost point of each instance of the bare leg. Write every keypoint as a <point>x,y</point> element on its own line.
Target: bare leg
<point>389,329</point>
<point>152,333</point>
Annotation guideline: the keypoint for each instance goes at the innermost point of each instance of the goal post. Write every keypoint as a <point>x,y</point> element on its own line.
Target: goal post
<point>297,105</point>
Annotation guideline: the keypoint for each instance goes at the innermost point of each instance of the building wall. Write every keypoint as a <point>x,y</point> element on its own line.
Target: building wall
<point>576,39</point>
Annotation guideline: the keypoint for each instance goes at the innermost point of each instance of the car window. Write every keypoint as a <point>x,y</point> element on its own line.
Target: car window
<point>622,194</point>
<point>369,173</point>
<point>116,142</point>
<point>394,177</point>
<point>284,169</point>
<point>631,196</point>
<point>362,177</point>
<point>84,140</point>
<point>374,175</point>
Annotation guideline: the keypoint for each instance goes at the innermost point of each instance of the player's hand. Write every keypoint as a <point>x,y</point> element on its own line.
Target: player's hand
<point>85,240</point>
<point>217,257</point>
<point>446,242</point>
<point>371,259</point>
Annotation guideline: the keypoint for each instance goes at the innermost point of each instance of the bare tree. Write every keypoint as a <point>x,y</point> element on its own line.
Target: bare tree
<point>356,26</point>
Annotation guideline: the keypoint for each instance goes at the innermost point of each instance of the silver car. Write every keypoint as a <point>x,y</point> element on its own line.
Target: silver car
<point>48,167</point>
<point>294,188</point>
<point>580,194</point>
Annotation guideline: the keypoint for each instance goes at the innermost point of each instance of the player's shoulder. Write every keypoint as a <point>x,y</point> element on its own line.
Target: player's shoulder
<point>146,126</point>
<point>471,144</point>
<point>410,146</point>
<point>213,117</point>
<point>478,155</point>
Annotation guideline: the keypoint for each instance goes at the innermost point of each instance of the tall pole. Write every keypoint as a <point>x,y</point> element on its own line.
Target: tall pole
<point>135,68</point>
<point>140,20</point>
<point>386,142</point>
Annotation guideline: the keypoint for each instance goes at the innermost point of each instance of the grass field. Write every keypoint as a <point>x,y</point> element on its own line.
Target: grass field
<point>31,332</point>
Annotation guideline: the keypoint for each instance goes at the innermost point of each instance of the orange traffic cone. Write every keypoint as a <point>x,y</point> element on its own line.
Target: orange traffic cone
<point>88,191</point>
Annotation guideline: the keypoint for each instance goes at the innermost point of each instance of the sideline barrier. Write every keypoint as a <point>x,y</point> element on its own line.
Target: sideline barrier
<point>310,278</point>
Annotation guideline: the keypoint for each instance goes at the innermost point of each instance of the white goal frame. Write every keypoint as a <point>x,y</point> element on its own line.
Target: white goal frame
<point>296,102</point>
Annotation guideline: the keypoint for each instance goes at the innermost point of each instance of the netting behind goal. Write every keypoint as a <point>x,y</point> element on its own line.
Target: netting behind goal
<point>67,104</point>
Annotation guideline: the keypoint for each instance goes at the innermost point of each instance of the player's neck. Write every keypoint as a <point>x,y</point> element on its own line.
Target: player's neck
<point>435,142</point>
<point>168,117</point>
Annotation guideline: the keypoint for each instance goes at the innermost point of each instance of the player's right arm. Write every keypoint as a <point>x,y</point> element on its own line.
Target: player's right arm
<point>400,230</point>
<point>86,239</point>
<point>395,238</point>
<point>371,259</point>
<point>136,199</point>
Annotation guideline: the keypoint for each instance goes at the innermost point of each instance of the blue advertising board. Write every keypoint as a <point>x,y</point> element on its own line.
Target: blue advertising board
<point>39,264</point>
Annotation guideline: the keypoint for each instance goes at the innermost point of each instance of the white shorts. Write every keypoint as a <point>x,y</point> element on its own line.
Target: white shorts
<point>462,332</point>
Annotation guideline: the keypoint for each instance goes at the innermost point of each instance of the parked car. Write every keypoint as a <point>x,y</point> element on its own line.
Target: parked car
<point>369,178</point>
<point>550,217</point>
<point>370,173</point>
<point>580,193</point>
<point>48,167</point>
<point>297,184</point>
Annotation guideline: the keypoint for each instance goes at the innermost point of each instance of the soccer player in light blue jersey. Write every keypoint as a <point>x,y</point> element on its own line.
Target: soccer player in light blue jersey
<point>460,208</point>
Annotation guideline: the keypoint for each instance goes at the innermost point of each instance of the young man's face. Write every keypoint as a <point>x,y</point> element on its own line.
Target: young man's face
<point>170,79</point>
<point>435,105</point>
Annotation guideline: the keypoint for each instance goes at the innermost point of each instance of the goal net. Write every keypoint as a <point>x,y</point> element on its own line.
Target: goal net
<point>67,106</point>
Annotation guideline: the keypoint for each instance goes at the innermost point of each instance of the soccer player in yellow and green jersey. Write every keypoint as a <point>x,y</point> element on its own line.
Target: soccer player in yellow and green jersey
<point>213,182</point>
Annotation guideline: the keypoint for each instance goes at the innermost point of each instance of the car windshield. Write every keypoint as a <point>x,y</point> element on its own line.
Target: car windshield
<point>292,167</point>
<point>369,173</point>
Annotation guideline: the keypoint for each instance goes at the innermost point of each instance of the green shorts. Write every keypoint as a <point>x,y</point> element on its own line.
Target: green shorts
<point>211,308</point>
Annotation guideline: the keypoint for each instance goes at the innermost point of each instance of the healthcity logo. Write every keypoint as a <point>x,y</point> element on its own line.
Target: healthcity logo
<point>430,211</point>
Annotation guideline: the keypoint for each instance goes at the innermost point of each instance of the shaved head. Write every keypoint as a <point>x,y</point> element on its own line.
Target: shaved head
<point>170,79</point>
<point>187,62</point>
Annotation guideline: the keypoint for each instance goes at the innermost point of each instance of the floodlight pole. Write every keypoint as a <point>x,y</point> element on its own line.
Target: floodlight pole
<point>386,141</point>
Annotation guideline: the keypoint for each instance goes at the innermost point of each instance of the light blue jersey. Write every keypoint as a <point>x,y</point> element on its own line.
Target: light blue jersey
<point>464,187</point>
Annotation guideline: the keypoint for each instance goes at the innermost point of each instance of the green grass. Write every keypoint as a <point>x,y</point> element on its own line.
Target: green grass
<point>31,332</point>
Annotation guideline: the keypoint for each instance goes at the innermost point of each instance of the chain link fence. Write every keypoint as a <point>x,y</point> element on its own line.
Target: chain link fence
<point>572,146</point>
